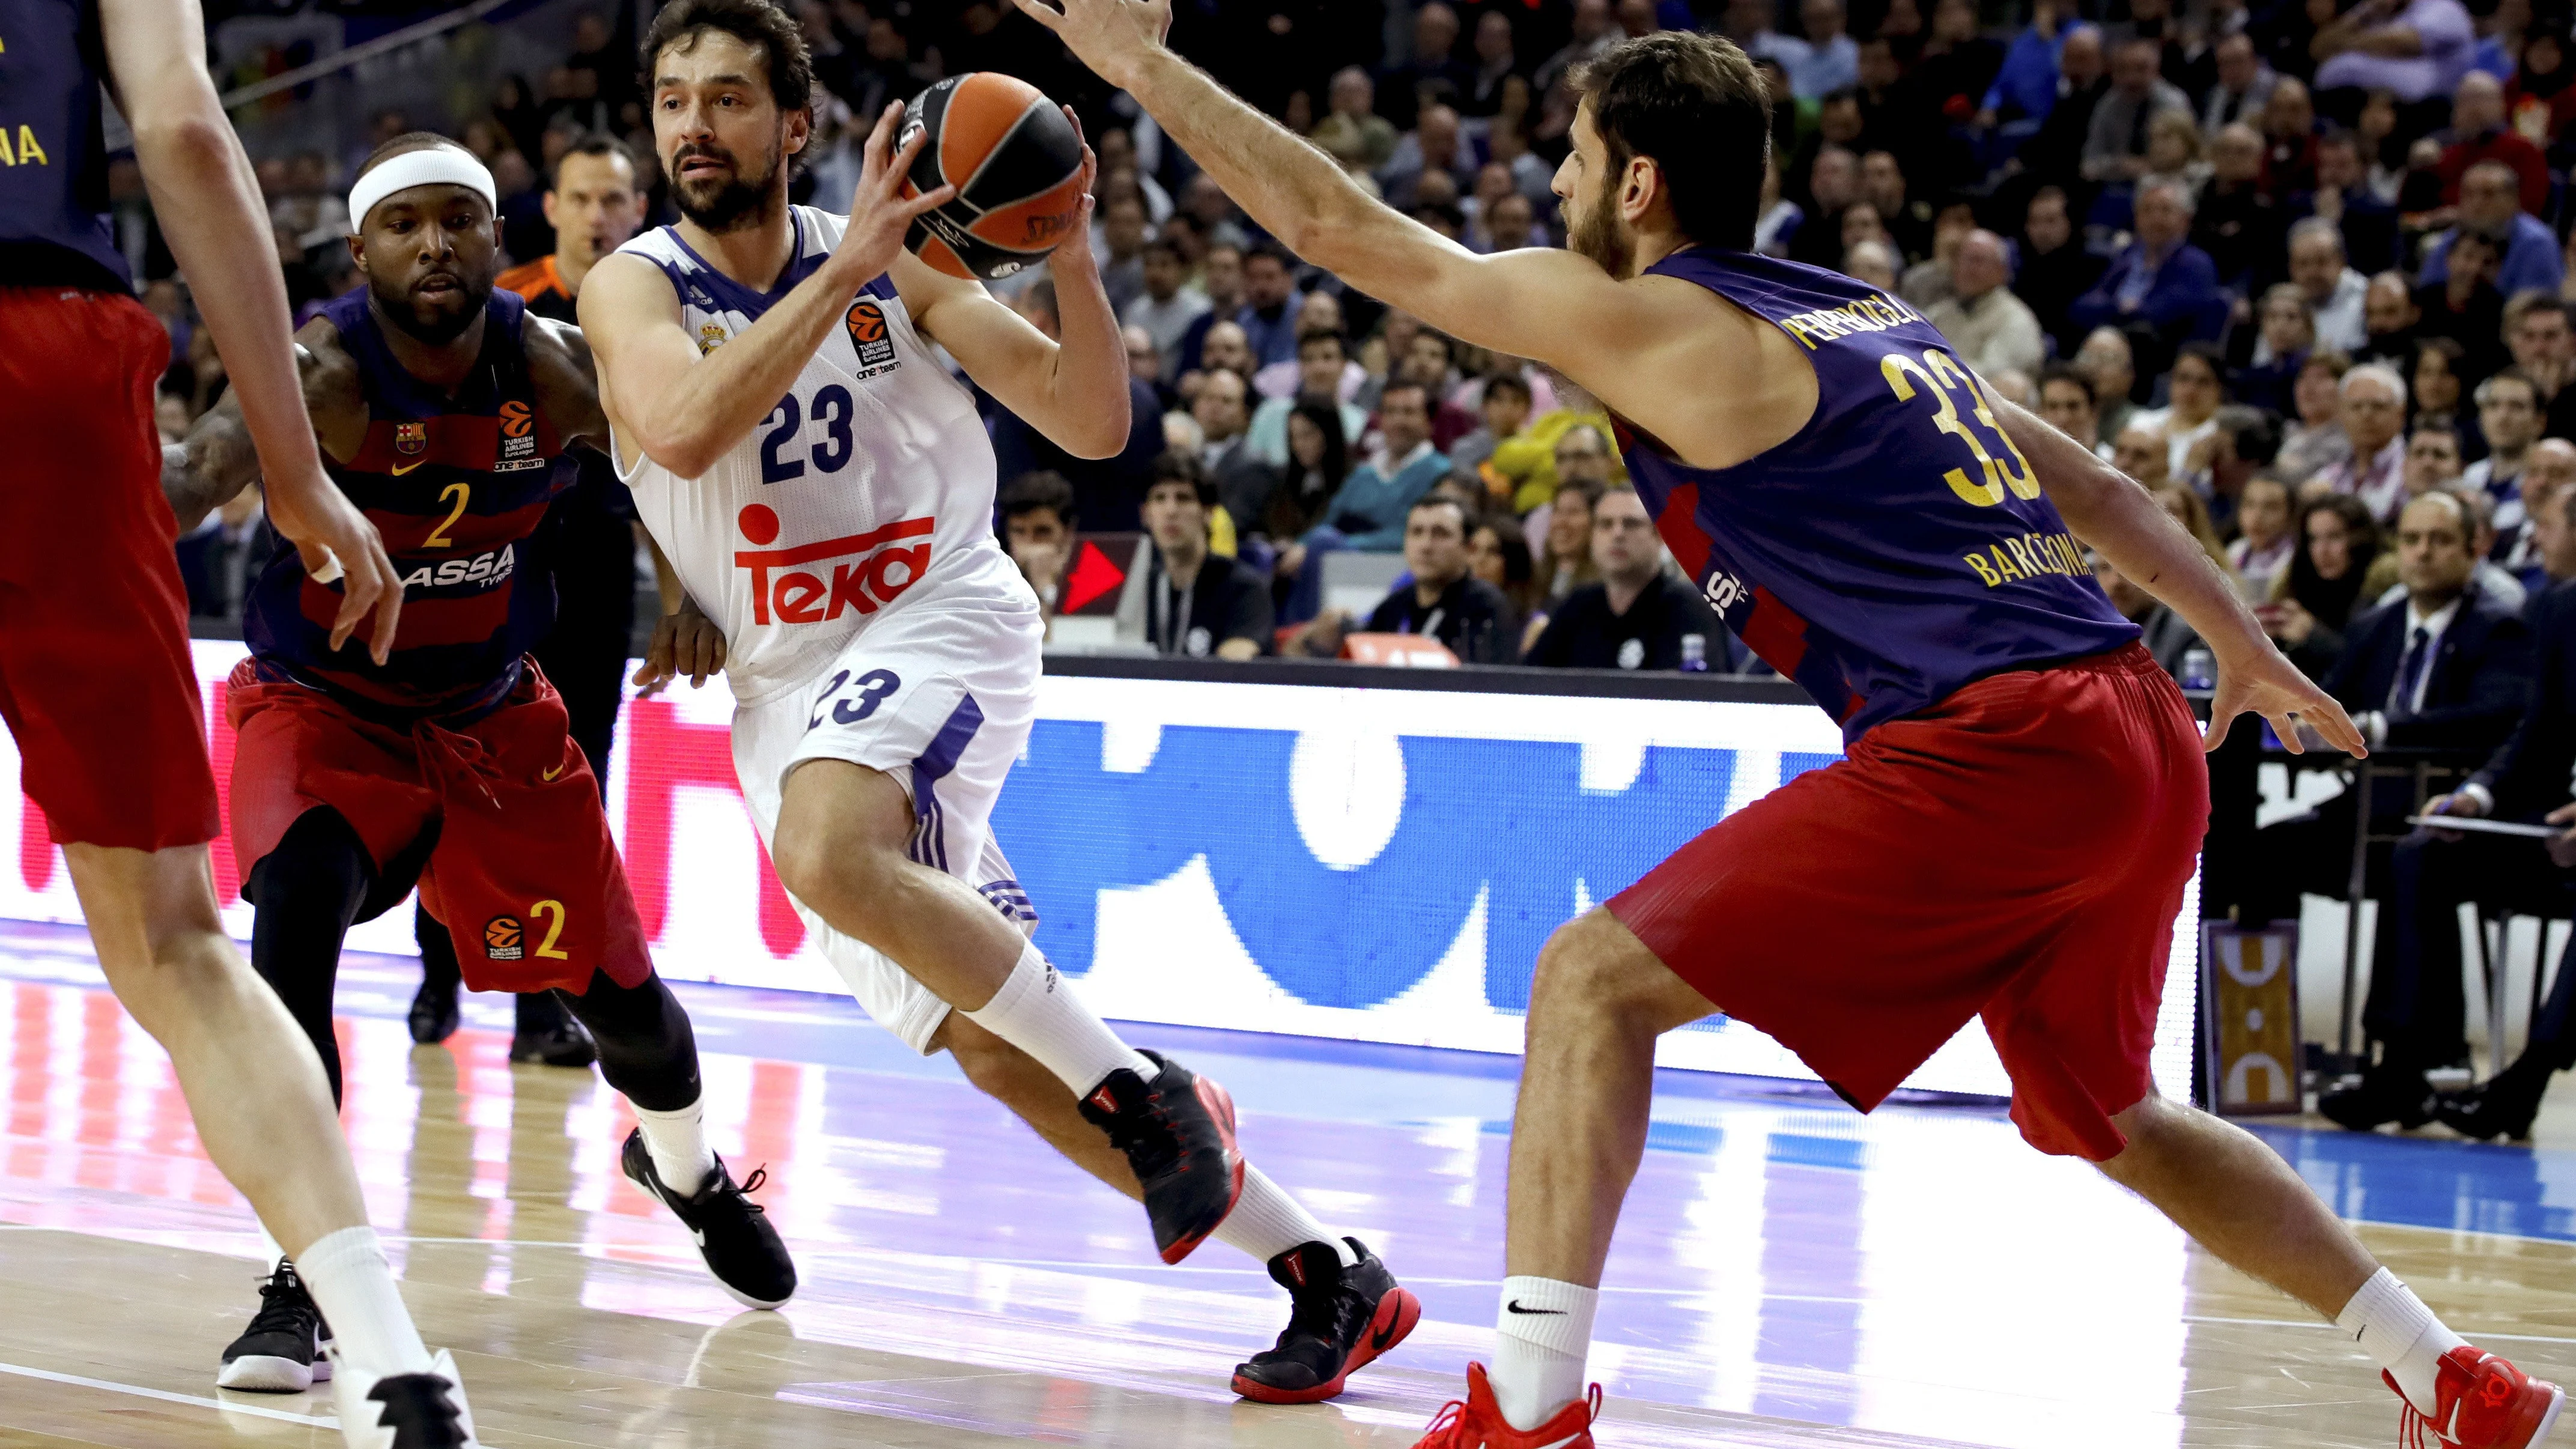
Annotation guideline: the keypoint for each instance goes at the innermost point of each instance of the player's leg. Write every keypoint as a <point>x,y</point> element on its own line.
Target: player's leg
<point>648,1052</point>
<point>308,891</point>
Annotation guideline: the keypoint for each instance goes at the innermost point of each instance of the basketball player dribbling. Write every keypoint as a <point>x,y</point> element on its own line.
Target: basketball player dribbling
<point>96,681</point>
<point>447,410</point>
<point>825,488</point>
<point>2014,825</point>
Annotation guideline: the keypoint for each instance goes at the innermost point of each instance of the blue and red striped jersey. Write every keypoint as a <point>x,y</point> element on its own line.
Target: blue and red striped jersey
<point>1899,546</point>
<point>53,152</point>
<point>459,487</point>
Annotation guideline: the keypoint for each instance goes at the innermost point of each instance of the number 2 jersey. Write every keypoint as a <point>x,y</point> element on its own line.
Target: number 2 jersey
<point>459,486</point>
<point>1898,547</point>
<point>868,487</point>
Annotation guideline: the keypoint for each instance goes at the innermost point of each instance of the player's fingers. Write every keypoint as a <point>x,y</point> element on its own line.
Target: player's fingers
<point>928,201</point>
<point>2285,727</point>
<point>1043,14</point>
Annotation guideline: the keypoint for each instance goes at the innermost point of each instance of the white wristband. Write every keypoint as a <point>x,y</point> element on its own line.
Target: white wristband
<point>330,571</point>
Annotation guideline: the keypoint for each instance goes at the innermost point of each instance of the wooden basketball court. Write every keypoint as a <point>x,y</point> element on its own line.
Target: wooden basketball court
<point>1789,1273</point>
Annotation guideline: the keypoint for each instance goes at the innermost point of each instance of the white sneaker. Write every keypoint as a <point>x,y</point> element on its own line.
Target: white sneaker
<point>403,1411</point>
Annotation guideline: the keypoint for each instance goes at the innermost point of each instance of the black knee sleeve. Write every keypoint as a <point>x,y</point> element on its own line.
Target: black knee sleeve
<point>307,892</point>
<point>646,1049</point>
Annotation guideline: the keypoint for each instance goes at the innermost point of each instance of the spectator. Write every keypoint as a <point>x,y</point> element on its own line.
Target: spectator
<point>1905,215</point>
<point>1872,261</point>
<point>2373,405</point>
<point>1498,76</point>
<point>1509,225</point>
<point>1038,524</point>
<point>2026,87</point>
<point>1498,552</point>
<point>2107,360</point>
<point>2544,556</point>
<point>2542,344</point>
<point>2479,134</point>
<point>2235,222</point>
<point>2389,317</point>
<point>1122,254</point>
<point>2139,451</point>
<point>1953,69</point>
<point>1436,147</point>
<point>1989,327</point>
<point>1197,604</point>
<point>224,555</point>
<point>1506,406</point>
<point>1368,513</point>
<point>2052,268</point>
<point>2264,541</point>
<point>2338,560</point>
<point>2314,439</point>
<point>2334,292</point>
<point>2342,198</point>
<point>2539,101</point>
<point>1220,280</point>
<point>1564,561</point>
<point>2183,505</point>
<point>1353,131</point>
<point>2432,461</point>
<point>2066,400</point>
<point>2490,206</point>
<point>2413,49</point>
<point>2464,306</point>
<point>1317,311</point>
<point>2174,151</point>
<point>1243,480</point>
<point>1595,30</point>
<point>2436,388</point>
<point>1165,309</point>
<point>2056,155</point>
<point>2287,333</point>
<point>2161,630</point>
<point>1826,60</point>
<point>1146,366</point>
<point>1433,64</point>
<point>1269,314</point>
<point>2115,147</point>
<point>1833,185</point>
<point>1780,217</point>
<point>1322,365</point>
<point>2440,669</point>
<point>1444,601</point>
<point>2190,418</point>
<point>2161,282</point>
<point>1640,616</point>
<point>2244,85</point>
<point>1318,464</point>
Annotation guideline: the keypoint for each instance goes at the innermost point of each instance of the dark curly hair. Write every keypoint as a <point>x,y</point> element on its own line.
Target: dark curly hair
<point>761,24</point>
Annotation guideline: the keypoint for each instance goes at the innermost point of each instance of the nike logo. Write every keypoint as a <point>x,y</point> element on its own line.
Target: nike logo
<point>557,770</point>
<point>1515,1307</point>
<point>402,468</point>
<point>1378,1341</point>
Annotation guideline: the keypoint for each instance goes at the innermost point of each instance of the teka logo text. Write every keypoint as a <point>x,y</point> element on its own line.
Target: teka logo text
<point>867,570</point>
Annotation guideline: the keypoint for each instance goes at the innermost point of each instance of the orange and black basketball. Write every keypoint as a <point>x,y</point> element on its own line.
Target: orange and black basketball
<point>1016,162</point>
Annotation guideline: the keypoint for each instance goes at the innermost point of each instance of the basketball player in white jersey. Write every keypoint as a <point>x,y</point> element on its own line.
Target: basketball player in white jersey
<point>825,490</point>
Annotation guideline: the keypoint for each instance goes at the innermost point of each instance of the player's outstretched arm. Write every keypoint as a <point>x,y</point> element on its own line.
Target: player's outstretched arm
<point>203,190</point>
<point>1544,303</point>
<point>219,458</point>
<point>685,411</point>
<point>2122,522</point>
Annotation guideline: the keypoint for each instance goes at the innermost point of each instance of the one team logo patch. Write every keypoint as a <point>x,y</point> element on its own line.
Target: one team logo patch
<point>871,337</point>
<point>504,939</point>
<point>518,439</point>
<point>411,439</point>
<point>710,337</point>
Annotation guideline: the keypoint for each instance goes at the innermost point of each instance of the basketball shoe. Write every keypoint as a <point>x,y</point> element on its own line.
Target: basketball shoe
<point>404,1411</point>
<point>733,1232</point>
<point>1178,1134</point>
<point>2480,1401</point>
<point>285,1349</point>
<point>1340,1320</point>
<point>1476,1422</point>
<point>548,1035</point>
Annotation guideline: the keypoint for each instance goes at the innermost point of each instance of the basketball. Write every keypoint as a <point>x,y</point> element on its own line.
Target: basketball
<point>1016,163</point>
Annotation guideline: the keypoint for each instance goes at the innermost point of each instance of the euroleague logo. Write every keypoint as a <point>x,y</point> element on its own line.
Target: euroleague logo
<point>878,567</point>
<point>518,439</point>
<point>504,939</point>
<point>870,337</point>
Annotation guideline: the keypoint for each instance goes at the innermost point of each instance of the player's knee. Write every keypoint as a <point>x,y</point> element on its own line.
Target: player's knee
<point>998,1069</point>
<point>1594,970</point>
<point>833,871</point>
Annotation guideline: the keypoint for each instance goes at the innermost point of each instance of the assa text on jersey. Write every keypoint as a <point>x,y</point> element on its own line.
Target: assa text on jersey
<point>862,572</point>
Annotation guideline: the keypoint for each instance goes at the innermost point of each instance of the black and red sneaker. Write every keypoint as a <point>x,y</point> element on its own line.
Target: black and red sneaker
<point>1340,1321</point>
<point>1178,1134</point>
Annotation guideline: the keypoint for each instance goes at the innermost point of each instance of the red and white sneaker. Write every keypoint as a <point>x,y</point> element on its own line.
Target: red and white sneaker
<point>2480,1401</point>
<point>1475,1422</point>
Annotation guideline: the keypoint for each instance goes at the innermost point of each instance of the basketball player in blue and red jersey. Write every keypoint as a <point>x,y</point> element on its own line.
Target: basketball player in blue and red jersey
<point>2013,826</point>
<point>444,410</point>
<point>96,682</point>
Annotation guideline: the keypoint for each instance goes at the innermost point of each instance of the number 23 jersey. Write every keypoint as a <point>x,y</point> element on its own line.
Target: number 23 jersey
<point>867,488</point>
<point>1899,546</point>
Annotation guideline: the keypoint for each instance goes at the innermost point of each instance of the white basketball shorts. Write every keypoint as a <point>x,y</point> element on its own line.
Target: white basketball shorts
<point>940,697</point>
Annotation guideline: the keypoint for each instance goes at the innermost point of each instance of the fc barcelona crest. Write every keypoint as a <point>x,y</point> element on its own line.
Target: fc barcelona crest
<point>411,439</point>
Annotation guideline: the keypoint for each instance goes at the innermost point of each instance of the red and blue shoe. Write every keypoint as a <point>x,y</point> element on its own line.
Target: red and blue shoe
<point>2480,1401</point>
<point>1178,1134</point>
<point>1341,1321</point>
<point>1476,1422</point>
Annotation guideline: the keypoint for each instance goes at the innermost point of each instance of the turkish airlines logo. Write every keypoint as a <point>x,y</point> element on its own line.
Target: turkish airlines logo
<point>869,337</point>
<point>875,573</point>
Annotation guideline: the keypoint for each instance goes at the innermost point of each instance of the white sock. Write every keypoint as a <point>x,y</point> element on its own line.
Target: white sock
<point>1546,1328</point>
<point>677,1142</point>
<point>354,1287</point>
<point>269,1251</point>
<point>2400,1334</point>
<point>1036,1011</point>
<point>1267,1222</point>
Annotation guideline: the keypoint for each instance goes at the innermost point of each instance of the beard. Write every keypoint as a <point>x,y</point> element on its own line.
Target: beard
<point>1597,233</point>
<point>435,319</point>
<point>737,201</point>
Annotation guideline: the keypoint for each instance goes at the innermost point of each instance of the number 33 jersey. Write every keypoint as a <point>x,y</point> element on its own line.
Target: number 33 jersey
<point>1898,547</point>
<point>868,488</point>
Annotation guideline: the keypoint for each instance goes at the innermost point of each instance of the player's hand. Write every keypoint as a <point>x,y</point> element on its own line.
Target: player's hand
<point>1075,250</point>
<point>1112,36</point>
<point>2264,683</point>
<point>2458,802</point>
<point>314,515</point>
<point>879,214</point>
<point>686,642</point>
<point>2562,846</point>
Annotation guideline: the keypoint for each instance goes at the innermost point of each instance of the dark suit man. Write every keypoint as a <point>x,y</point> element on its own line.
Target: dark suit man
<point>2441,669</point>
<point>2444,669</point>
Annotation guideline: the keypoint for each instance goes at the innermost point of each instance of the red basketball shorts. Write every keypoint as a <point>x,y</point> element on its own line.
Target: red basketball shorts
<point>524,873</point>
<point>95,678</point>
<point>2018,852</point>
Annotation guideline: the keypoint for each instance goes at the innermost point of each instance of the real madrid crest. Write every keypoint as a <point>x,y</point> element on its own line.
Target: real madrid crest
<point>710,337</point>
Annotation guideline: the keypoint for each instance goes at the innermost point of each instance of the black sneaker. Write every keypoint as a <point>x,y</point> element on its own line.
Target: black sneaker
<point>282,1352</point>
<point>433,1016</point>
<point>546,1035</point>
<point>733,1232</point>
<point>1340,1320</point>
<point>404,1411</point>
<point>2386,1094</point>
<point>1178,1134</point>
<point>2501,1107</point>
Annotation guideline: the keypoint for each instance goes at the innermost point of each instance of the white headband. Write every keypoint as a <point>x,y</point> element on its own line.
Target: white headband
<point>428,166</point>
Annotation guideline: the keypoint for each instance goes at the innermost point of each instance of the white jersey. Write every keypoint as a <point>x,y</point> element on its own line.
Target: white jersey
<point>868,488</point>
